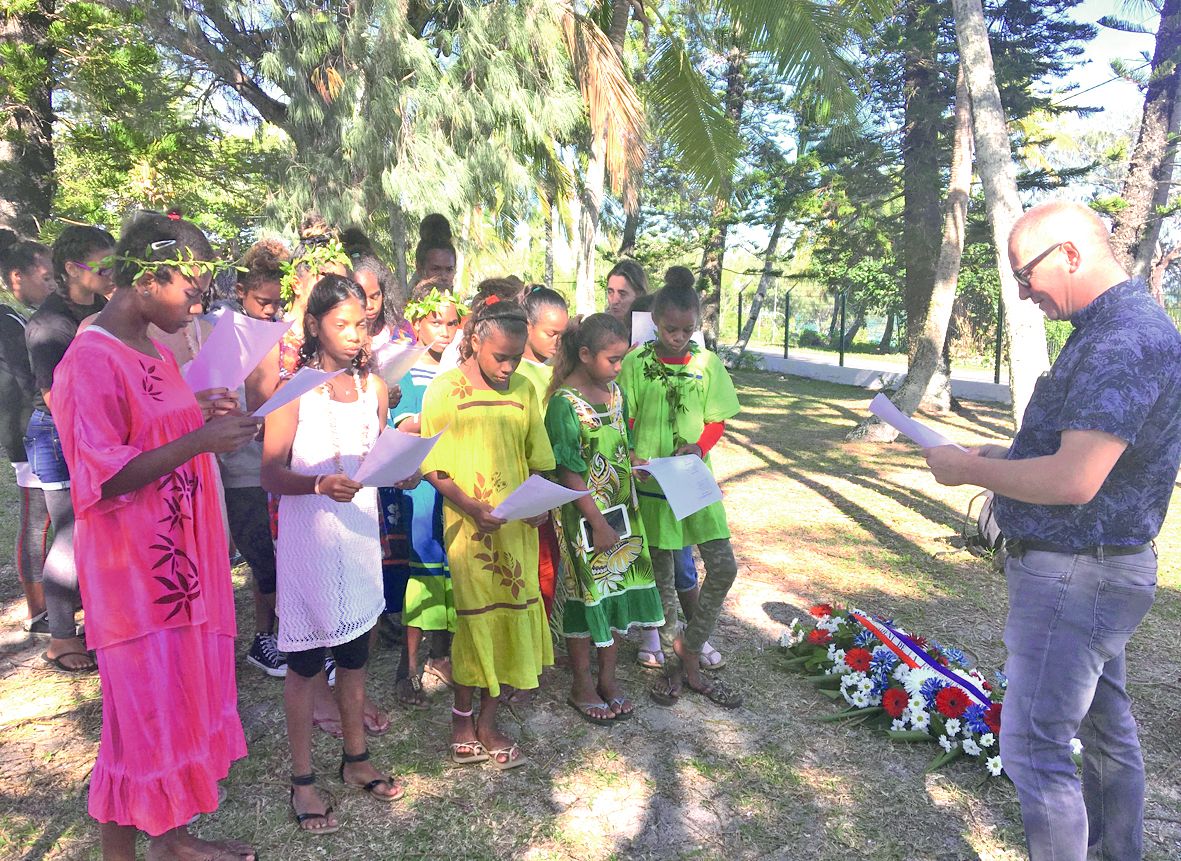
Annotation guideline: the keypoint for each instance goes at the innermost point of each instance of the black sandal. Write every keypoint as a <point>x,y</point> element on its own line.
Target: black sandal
<point>370,787</point>
<point>718,694</point>
<point>309,779</point>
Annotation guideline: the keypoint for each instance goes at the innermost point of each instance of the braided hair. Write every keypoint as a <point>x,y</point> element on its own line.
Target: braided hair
<point>493,313</point>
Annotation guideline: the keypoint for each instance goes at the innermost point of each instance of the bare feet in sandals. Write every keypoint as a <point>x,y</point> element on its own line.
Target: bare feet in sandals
<point>179,845</point>
<point>69,655</point>
<point>465,747</point>
<point>410,693</point>
<point>377,722</point>
<point>440,668</point>
<point>620,705</point>
<point>503,752</point>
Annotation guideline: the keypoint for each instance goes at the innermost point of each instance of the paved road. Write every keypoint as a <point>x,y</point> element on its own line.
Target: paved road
<point>873,372</point>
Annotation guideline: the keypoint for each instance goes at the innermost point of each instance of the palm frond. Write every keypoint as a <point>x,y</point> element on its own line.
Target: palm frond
<point>613,107</point>
<point>690,116</point>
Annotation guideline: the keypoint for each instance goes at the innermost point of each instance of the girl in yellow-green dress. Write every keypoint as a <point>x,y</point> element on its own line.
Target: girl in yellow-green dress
<point>495,438</point>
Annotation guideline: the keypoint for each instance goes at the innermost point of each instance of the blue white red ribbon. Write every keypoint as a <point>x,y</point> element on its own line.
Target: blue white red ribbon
<point>914,655</point>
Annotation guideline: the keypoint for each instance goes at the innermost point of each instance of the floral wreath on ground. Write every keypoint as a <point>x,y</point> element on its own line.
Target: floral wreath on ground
<point>912,688</point>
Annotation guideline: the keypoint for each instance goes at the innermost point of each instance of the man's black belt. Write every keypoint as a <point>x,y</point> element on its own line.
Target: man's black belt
<point>1018,546</point>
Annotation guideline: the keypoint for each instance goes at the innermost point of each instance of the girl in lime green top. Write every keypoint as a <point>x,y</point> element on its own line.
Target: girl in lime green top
<point>609,588</point>
<point>679,397</point>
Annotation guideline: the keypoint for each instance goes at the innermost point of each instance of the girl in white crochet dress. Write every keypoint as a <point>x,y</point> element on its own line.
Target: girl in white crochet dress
<point>329,553</point>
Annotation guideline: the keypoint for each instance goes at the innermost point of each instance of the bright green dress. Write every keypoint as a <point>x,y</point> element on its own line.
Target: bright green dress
<point>494,440</point>
<point>540,375</point>
<point>612,592</point>
<point>670,406</point>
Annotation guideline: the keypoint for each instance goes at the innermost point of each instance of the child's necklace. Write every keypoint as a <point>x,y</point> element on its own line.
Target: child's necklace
<point>359,388</point>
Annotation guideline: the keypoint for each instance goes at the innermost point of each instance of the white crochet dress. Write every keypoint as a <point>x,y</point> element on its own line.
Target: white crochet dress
<point>329,553</point>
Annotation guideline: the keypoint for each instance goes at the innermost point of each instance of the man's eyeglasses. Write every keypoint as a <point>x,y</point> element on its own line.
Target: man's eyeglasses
<point>101,271</point>
<point>1021,276</point>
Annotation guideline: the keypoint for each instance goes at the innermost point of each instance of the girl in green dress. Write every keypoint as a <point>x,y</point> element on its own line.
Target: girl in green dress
<point>680,396</point>
<point>609,587</point>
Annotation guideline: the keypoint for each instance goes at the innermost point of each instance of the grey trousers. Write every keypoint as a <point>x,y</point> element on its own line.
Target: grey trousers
<point>60,577</point>
<point>1070,618</point>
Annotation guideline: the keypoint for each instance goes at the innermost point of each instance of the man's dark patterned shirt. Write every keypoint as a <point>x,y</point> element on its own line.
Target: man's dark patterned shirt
<point>1119,372</point>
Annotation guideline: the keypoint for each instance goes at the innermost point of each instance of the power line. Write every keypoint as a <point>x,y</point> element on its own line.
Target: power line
<point>1070,96</point>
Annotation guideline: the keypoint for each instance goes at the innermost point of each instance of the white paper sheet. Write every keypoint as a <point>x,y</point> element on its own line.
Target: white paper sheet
<point>304,381</point>
<point>882,407</point>
<point>536,496</point>
<point>235,347</point>
<point>394,457</point>
<point>392,361</point>
<point>644,329</point>
<point>686,482</point>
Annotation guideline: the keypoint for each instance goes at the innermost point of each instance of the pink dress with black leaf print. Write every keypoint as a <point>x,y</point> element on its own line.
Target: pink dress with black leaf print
<point>153,568</point>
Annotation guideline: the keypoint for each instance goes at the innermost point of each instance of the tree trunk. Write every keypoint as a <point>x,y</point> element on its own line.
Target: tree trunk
<point>835,322</point>
<point>765,280</point>
<point>887,334</point>
<point>550,230</point>
<point>631,226</point>
<point>920,166</point>
<point>858,323</point>
<point>1156,277</point>
<point>1146,251</point>
<point>928,355</point>
<point>1024,325</point>
<point>400,246</point>
<point>1147,168</point>
<point>713,255</point>
<point>26,128</point>
<point>585,290</point>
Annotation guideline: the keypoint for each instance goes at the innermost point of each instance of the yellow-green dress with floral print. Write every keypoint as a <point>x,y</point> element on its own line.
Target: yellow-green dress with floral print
<point>494,439</point>
<point>611,592</point>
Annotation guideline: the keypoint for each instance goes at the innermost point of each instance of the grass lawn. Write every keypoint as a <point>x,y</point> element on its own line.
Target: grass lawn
<point>813,518</point>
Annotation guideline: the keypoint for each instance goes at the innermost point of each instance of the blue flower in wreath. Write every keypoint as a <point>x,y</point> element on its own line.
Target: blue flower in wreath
<point>863,638</point>
<point>883,661</point>
<point>954,656</point>
<point>974,719</point>
<point>929,689</point>
<point>1002,681</point>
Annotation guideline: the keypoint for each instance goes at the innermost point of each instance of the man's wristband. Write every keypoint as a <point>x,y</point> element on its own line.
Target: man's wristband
<point>316,485</point>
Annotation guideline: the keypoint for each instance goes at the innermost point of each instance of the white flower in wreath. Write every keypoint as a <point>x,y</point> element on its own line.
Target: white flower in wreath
<point>830,623</point>
<point>898,724</point>
<point>854,680</point>
<point>952,727</point>
<point>946,743</point>
<point>920,720</point>
<point>994,766</point>
<point>1076,746</point>
<point>970,747</point>
<point>793,636</point>
<point>901,672</point>
<point>916,678</point>
<point>861,699</point>
<point>865,686</point>
<point>917,703</point>
<point>987,740</point>
<point>837,656</point>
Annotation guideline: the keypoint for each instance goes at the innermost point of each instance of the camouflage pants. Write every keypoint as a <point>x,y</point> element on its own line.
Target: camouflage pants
<point>720,571</point>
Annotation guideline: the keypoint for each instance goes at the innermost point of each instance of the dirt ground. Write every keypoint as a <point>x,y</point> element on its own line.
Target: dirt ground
<point>813,518</point>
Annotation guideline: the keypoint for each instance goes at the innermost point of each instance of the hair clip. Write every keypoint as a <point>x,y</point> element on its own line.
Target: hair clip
<point>491,300</point>
<point>161,244</point>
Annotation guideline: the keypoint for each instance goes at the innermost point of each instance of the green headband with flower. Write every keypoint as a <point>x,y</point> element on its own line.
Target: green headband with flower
<point>317,256</point>
<point>431,303</point>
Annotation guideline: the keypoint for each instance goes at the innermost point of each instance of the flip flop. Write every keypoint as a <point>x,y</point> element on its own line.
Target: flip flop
<point>479,754</point>
<point>584,711</point>
<point>663,695</point>
<point>71,671</point>
<point>711,659</point>
<point>398,791</point>
<point>651,662</point>
<point>330,726</point>
<point>509,761</point>
<point>617,702</point>
<point>372,728</point>
<point>718,694</point>
<point>302,818</point>
<point>438,675</point>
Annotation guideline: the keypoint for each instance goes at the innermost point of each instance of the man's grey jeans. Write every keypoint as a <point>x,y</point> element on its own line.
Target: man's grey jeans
<point>1070,618</point>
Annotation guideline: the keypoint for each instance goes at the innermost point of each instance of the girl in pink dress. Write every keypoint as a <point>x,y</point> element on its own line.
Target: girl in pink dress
<point>151,551</point>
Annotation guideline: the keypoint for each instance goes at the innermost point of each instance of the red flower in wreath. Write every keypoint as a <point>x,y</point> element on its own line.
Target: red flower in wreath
<point>820,610</point>
<point>817,637</point>
<point>992,717</point>
<point>952,702</point>
<point>858,659</point>
<point>895,701</point>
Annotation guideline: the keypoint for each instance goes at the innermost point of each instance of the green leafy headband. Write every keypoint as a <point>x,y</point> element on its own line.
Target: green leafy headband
<point>316,257</point>
<point>431,303</point>
<point>183,260</point>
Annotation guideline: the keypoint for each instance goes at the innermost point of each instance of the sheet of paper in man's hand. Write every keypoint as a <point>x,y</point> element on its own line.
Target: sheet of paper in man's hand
<point>882,407</point>
<point>686,482</point>
<point>536,496</point>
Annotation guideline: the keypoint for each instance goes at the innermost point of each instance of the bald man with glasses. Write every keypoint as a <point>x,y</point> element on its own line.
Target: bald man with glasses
<point>1080,495</point>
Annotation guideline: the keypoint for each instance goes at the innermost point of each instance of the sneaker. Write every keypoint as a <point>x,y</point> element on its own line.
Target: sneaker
<point>37,626</point>
<point>330,669</point>
<point>264,653</point>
